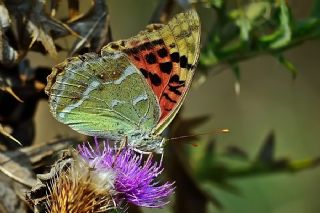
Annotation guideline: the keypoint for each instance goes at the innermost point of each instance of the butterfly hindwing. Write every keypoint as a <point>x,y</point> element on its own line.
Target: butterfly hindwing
<point>166,55</point>
<point>102,95</point>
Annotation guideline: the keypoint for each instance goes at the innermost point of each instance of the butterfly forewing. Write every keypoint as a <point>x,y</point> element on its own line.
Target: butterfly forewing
<point>166,55</point>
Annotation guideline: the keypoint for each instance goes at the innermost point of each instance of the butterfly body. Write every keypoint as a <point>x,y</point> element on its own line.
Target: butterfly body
<point>133,89</point>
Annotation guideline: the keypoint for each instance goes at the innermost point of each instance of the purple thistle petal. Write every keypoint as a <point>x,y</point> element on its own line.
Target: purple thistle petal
<point>135,179</point>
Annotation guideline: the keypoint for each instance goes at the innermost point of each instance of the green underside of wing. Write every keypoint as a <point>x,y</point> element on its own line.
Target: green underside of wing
<point>104,96</point>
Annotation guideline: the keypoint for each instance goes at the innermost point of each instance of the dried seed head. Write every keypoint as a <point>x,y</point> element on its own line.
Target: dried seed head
<point>81,189</point>
<point>73,186</point>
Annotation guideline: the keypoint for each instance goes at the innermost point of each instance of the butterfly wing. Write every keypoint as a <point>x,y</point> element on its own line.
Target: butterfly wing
<point>102,95</point>
<point>167,56</point>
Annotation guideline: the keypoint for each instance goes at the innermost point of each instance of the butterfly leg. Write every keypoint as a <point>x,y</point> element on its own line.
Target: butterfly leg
<point>122,146</point>
<point>142,152</point>
<point>126,141</point>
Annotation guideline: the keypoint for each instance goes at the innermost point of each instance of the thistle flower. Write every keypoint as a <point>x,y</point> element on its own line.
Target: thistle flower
<point>134,179</point>
<point>81,190</point>
<point>72,186</point>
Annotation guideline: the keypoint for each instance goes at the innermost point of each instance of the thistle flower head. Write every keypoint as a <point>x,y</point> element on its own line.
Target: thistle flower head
<point>134,178</point>
<point>75,192</point>
<point>72,186</point>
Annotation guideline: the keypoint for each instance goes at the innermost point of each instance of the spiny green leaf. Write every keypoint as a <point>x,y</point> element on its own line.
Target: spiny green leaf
<point>266,153</point>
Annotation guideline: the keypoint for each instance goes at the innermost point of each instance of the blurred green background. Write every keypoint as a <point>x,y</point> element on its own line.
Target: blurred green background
<point>269,100</point>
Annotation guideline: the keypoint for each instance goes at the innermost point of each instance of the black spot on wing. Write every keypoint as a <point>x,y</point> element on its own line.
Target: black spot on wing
<point>155,79</point>
<point>166,67</point>
<point>151,58</point>
<point>183,61</point>
<point>162,52</point>
<point>144,46</point>
<point>175,90</point>
<point>175,57</point>
<point>157,42</point>
<point>168,98</point>
<point>144,72</point>
<point>189,66</point>
<point>174,79</point>
<point>114,46</point>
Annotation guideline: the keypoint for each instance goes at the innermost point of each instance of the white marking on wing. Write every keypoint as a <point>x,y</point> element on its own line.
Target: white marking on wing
<point>116,55</point>
<point>140,98</point>
<point>93,85</point>
<point>116,102</point>
<point>128,71</point>
<point>69,74</point>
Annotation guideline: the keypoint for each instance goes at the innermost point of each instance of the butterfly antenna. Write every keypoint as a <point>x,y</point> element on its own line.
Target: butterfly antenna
<point>217,131</point>
<point>161,159</point>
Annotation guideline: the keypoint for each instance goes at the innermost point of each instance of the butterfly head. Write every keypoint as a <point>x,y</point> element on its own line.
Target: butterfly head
<point>148,144</point>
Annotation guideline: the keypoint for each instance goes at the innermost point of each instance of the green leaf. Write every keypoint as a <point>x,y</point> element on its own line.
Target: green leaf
<point>284,30</point>
<point>257,10</point>
<point>288,65</point>
<point>236,72</point>
<point>245,17</point>
<point>245,27</point>
<point>241,20</point>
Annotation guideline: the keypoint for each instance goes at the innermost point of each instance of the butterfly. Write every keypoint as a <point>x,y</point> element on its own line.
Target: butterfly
<point>133,88</point>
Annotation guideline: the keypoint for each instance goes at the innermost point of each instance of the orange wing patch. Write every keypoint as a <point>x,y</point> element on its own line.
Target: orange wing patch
<point>161,69</point>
